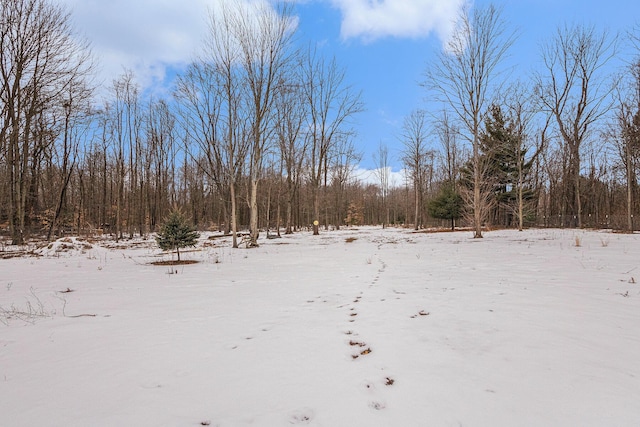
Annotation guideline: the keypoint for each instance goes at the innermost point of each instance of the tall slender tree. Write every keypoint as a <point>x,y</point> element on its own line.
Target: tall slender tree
<point>263,36</point>
<point>331,103</point>
<point>572,89</point>
<point>463,76</point>
<point>76,117</point>
<point>222,54</point>
<point>624,132</point>
<point>520,110</point>
<point>291,115</point>
<point>414,153</point>
<point>383,173</point>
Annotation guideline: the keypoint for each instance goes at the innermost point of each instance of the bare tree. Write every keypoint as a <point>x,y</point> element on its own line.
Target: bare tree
<point>160,159</point>
<point>331,104</point>
<point>229,95</point>
<point>462,77</point>
<point>343,161</point>
<point>40,61</point>
<point>414,141</point>
<point>383,172</point>
<point>291,115</point>
<point>221,53</point>
<point>263,36</point>
<point>520,113</point>
<point>573,91</point>
<point>201,99</point>
<point>76,117</point>
<point>124,122</point>
<point>452,153</point>
<point>624,132</point>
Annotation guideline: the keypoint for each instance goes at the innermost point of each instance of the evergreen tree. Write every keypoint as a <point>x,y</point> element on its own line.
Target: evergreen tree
<point>176,233</point>
<point>503,159</point>
<point>446,205</point>
<point>499,147</point>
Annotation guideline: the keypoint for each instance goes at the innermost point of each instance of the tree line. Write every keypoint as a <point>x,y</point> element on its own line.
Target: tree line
<point>258,134</point>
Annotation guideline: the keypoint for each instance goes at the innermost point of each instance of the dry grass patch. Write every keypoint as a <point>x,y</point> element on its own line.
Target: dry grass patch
<point>350,239</point>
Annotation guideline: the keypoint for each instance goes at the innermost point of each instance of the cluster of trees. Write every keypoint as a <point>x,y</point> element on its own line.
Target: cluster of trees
<point>252,119</point>
<point>559,150</point>
<point>258,134</point>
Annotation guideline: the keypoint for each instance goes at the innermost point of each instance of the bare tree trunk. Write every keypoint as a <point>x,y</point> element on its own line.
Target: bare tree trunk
<point>479,209</point>
<point>253,217</point>
<point>576,177</point>
<point>630,180</point>
<point>416,189</point>
<point>234,214</point>
<point>316,210</point>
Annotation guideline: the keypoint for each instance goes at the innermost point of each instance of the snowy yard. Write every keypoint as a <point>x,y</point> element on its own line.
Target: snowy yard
<point>364,327</point>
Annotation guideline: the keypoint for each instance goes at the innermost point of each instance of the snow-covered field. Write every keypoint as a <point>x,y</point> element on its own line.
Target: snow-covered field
<point>364,327</point>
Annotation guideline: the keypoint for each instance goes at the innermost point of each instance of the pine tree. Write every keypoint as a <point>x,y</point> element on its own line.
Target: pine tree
<point>176,233</point>
<point>499,147</point>
<point>502,155</point>
<point>446,205</point>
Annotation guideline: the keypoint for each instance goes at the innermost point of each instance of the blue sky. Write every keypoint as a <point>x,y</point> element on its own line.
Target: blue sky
<point>384,45</point>
<point>390,67</point>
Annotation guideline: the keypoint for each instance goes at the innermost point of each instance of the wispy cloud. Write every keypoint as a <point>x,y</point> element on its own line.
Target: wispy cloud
<point>386,118</point>
<point>371,20</point>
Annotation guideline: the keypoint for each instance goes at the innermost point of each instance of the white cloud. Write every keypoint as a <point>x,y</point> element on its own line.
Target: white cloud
<point>145,36</point>
<point>141,35</point>
<point>372,176</point>
<point>373,19</point>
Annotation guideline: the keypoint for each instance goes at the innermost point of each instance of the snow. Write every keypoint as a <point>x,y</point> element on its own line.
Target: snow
<point>365,327</point>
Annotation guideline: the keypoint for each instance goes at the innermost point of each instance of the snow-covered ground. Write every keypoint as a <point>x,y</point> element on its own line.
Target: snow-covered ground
<point>364,327</point>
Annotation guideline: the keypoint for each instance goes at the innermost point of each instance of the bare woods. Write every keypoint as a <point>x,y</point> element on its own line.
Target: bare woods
<point>258,133</point>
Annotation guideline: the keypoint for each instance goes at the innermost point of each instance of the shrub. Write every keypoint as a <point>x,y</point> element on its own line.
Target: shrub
<point>176,233</point>
<point>355,215</point>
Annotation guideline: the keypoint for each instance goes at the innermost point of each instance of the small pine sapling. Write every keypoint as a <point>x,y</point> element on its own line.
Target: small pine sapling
<point>176,233</point>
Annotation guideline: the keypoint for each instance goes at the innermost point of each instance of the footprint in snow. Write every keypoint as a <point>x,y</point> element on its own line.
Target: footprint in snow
<point>364,352</point>
<point>420,313</point>
<point>377,405</point>
<point>266,327</point>
<point>302,416</point>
